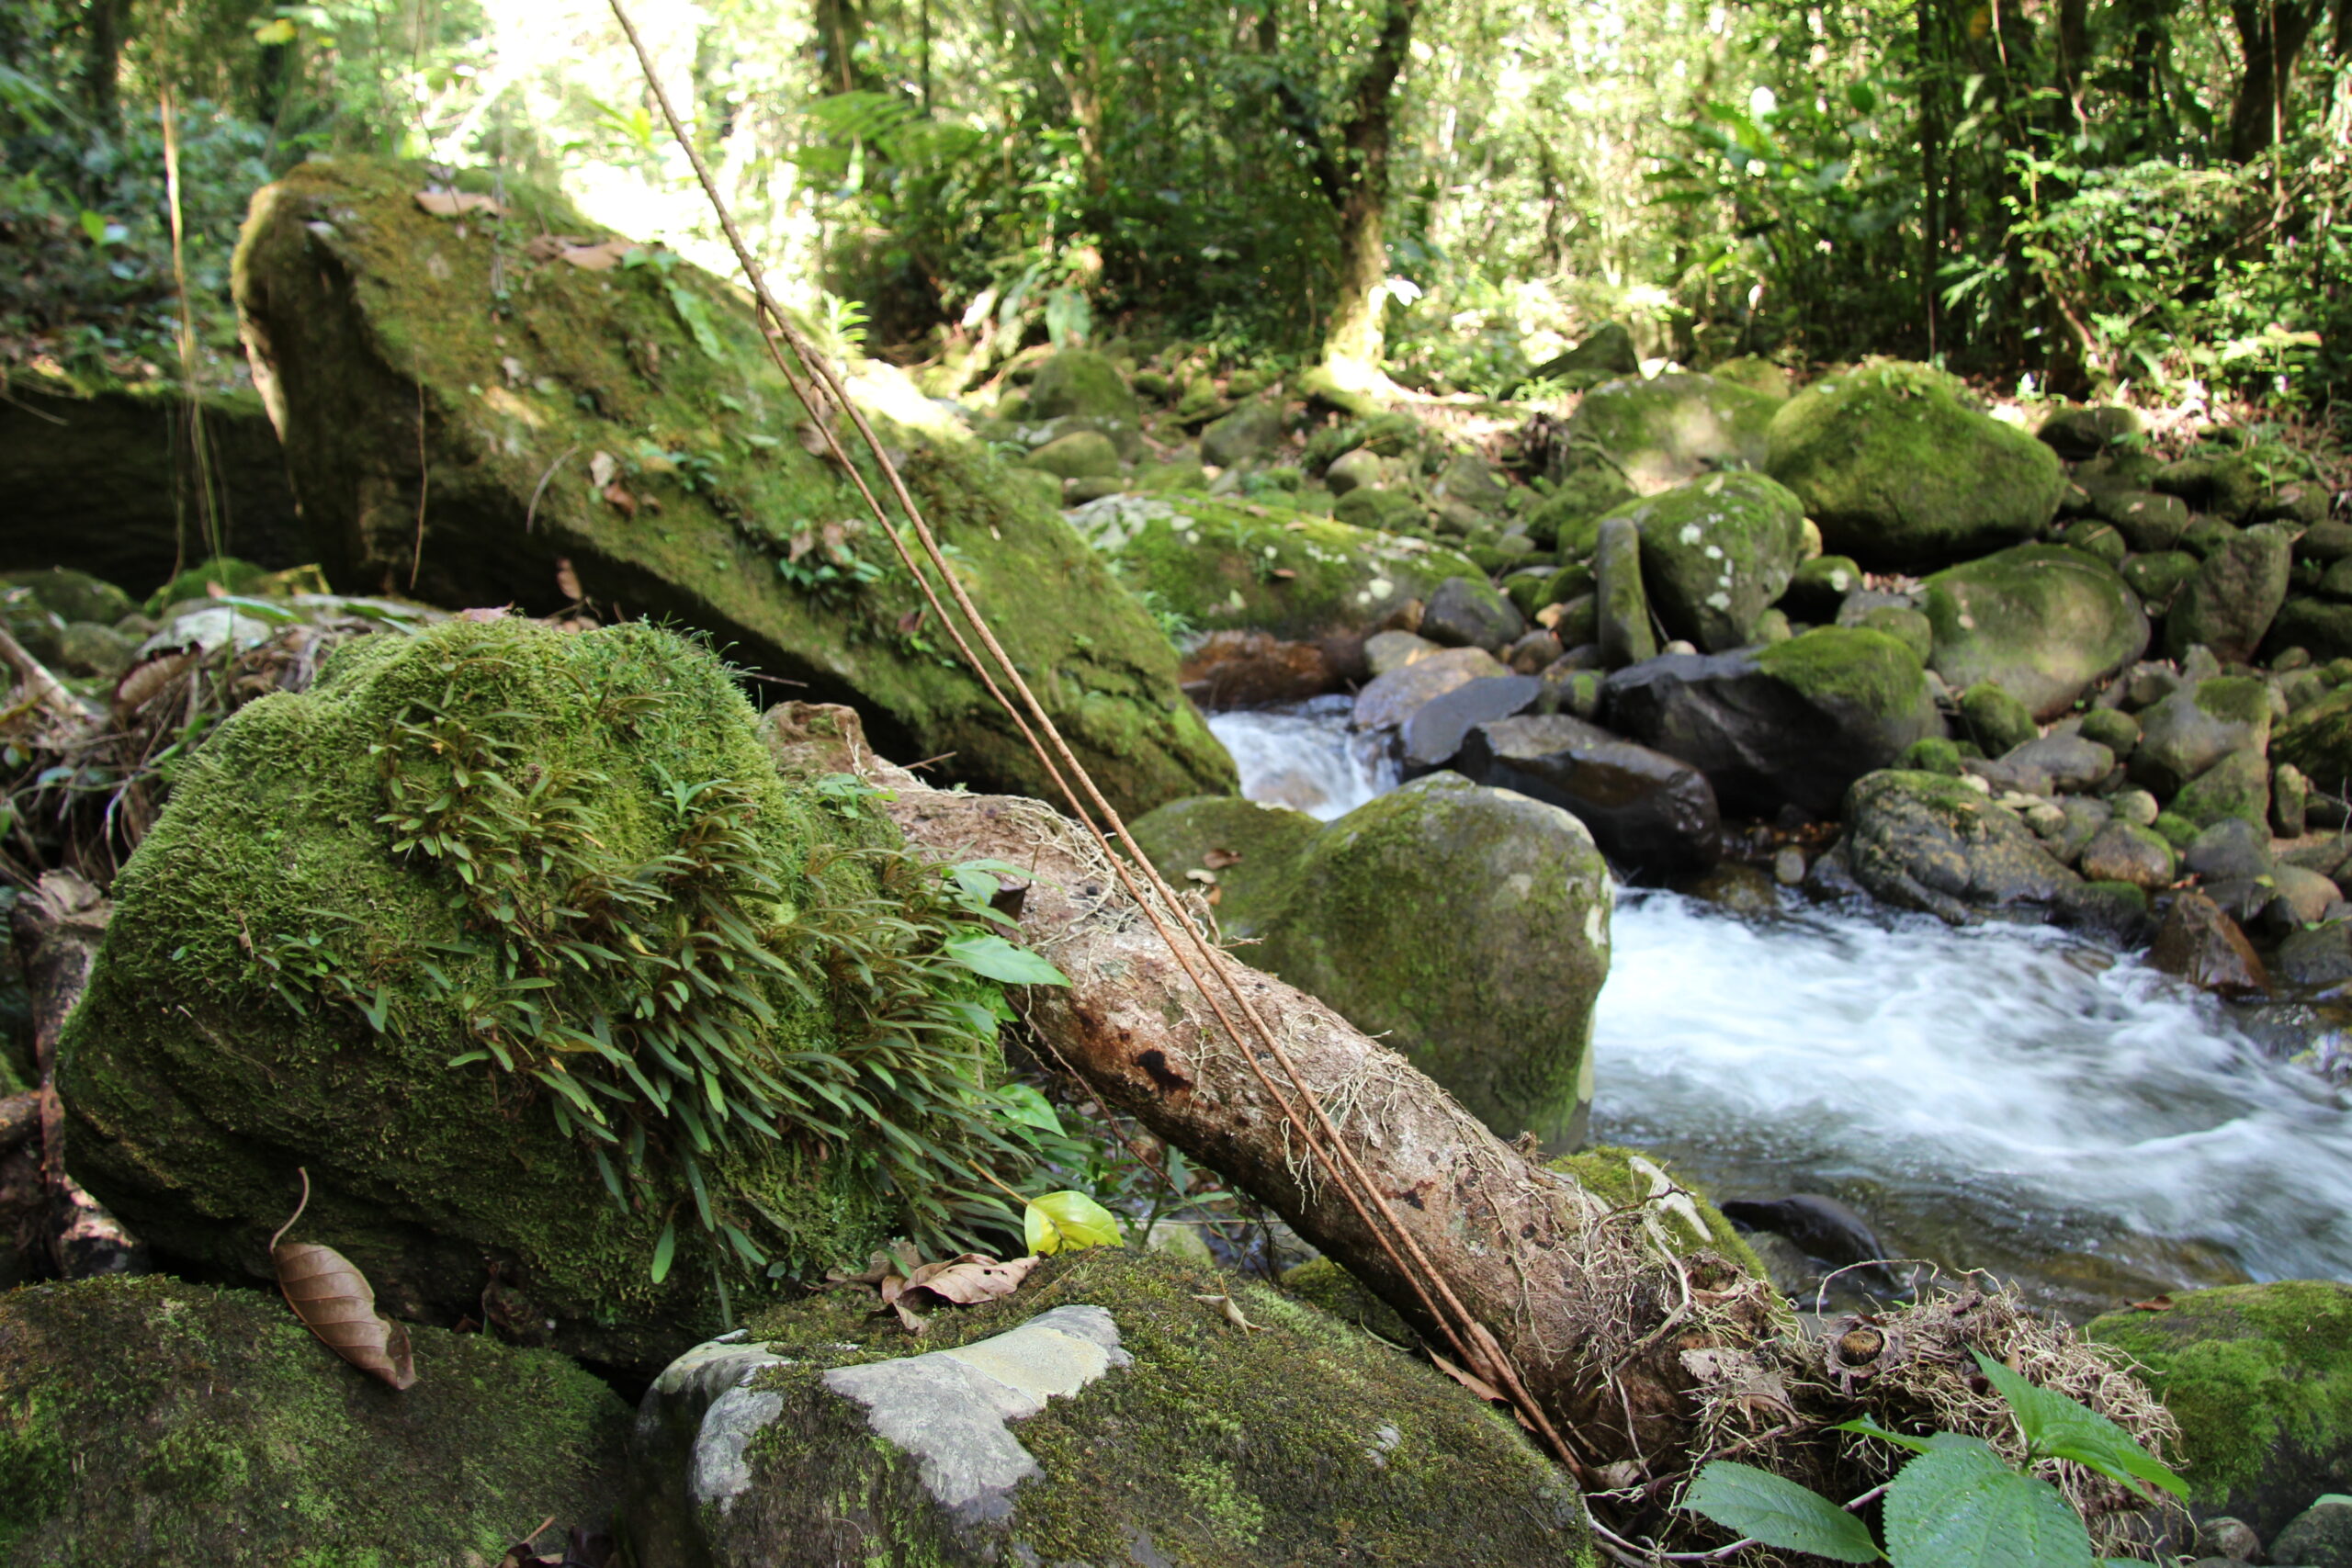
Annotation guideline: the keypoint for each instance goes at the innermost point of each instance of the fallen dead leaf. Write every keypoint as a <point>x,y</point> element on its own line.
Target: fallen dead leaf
<point>567,581</point>
<point>1550,616</point>
<point>1206,878</point>
<point>903,1283</point>
<point>2153,1303</point>
<point>602,467</point>
<point>334,1301</point>
<point>1217,860</point>
<point>1231,1311</point>
<point>547,247</point>
<point>597,258</point>
<point>619,496</point>
<point>1470,1381</point>
<point>456,203</point>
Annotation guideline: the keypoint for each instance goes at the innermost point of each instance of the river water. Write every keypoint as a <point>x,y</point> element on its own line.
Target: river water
<point>2002,1097</point>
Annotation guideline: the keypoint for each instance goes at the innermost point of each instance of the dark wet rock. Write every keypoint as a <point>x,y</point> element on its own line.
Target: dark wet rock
<point>1106,1412</point>
<point>2121,851</point>
<point>1647,811</point>
<point>1739,888</point>
<point>2231,602</point>
<point>1793,723</point>
<point>1391,699</point>
<point>1233,669</point>
<point>2199,942</point>
<point>2196,727</point>
<point>1434,736</point>
<point>1899,472</point>
<point>2319,1537</point>
<point>1467,612</point>
<point>2231,848</point>
<point>1535,652</point>
<point>1927,842</point>
<point>1819,586</point>
<point>2041,622</point>
<point>2318,740</point>
<point>2260,1379</point>
<point>1825,1228</point>
<point>2318,955</point>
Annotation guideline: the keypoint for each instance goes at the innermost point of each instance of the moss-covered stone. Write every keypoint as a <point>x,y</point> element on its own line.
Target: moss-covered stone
<point>2040,621</point>
<point>1936,754</point>
<point>1566,520</point>
<point>1715,552</point>
<point>2228,606</point>
<point>1212,1447</point>
<point>1899,472</point>
<point>1673,429</point>
<point>1468,926</point>
<point>1929,842</point>
<point>1223,565</point>
<point>1686,1217</point>
<point>73,596</point>
<point>1185,836</point>
<point>2226,485</point>
<point>1819,586</point>
<point>629,421</point>
<point>146,1420</point>
<point>1083,454</point>
<point>2318,739</point>
<point>1996,721</point>
<point>2260,1379</point>
<point>2237,786</point>
<point>1332,1290</point>
<point>1080,382</point>
<point>293,887</point>
<point>2113,728</point>
<point>1856,669</point>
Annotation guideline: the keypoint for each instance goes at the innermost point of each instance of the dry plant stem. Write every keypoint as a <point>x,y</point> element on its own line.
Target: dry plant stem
<point>204,489</point>
<point>1482,1351</point>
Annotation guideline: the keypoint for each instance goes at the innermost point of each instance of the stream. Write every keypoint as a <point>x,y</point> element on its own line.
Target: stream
<point>2011,1099</point>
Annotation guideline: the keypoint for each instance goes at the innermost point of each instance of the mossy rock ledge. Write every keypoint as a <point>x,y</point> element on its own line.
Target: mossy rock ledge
<point>149,1420</point>
<point>1144,1427</point>
<point>629,421</point>
<point>201,1069</point>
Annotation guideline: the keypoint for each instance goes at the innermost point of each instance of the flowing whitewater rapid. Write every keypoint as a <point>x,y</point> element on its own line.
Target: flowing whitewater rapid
<point>2002,1097</point>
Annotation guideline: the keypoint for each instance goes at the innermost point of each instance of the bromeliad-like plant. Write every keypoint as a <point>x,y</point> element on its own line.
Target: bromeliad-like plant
<point>1957,1504</point>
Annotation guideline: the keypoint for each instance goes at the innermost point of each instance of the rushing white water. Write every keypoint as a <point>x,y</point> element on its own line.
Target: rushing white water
<point>1302,756</point>
<point>2001,1098</point>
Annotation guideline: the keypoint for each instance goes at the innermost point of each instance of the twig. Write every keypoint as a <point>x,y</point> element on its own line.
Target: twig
<point>532,511</point>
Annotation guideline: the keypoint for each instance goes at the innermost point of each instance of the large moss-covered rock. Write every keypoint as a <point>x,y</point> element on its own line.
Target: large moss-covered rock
<point>1223,565</point>
<point>1899,472</point>
<point>2228,606</point>
<point>1081,383</point>
<point>1793,723</point>
<point>1717,552</point>
<point>599,794</point>
<point>1467,926</point>
<point>2041,622</point>
<point>146,1420</point>
<point>629,421</point>
<point>1930,843</point>
<point>2260,1379</point>
<point>2318,739</point>
<point>1110,1411</point>
<point>1671,430</point>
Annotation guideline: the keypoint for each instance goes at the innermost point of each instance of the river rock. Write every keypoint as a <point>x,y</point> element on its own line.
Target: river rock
<point>622,401</point>
<point>2299,898</point>
<point>1384,652</point>
<point>1673,429</point>
<point>2228,606</point>
<point>1715,553</point>
<point>1231,670</point>
<point>151,1420</point>
<point>1927,842</point>
<point>1621,604</point>
<point>1361,469</point>
<point>2231,850</point>
<point>2122,851</point>
<point>2319,1537</point>
<point>2040,621</point>
<point>2149,521</point>
<point>2260,1379</point>
<point>1563,521</point>
<point>2227,486</point>
<point>1819,586</point>
<point>2290,801</point>
<point>1079,382</point>
<point>1081,454</point>
<point>1434,736</point>
<point>1392,699</point>
<point>1247,849</point>
<point>2196,727</point>
<point>1250,431</point>
<point>1649,812</point>
<point>2200,943</point>
<point>1108,1411</point>
<point>1899,473</point>
<point>2318,740</point>
<point>1795,723</point>
<point>295,959</point>
<point>2238,785</point>
<point>1468,926</point>
<point>1469,612</point>
<point>2069,761</point>
<point>2159,578</point>
<point>1996,721</point>
<point>2113,728</point>
<point>2075,434</point>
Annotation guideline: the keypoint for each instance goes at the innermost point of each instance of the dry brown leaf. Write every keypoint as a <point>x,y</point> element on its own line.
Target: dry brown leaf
<point>911,622</point>
<point>1470,1381</point>
<point>597,258</point>
<point>2153,1303</point>
<point>1231,1311</point>
<point>567,581</point>
<point>547,247</point>
<point>1217,860</point>
<point>144,682</point>
<point>456,203</point>
<point>1550,616</point>
<point>1206,878</point>
<point>971,1279</point>
<point>619,496</point>
<point>602,469</point>
<point>1283,574</point>
<point>335,1302</point>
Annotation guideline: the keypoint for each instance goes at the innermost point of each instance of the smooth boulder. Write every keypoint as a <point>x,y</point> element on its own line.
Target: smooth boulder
<point>1672,429</point>
<point>2228,606</point>
<point>1649,812</point>
<point>2042,621</point>
<point>1930,843</point>
<point>1716,553</point>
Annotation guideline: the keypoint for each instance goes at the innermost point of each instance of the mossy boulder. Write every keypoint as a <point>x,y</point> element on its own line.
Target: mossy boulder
<point>1568,520</point>
<point>2041,622</point>
<point>1899,472</point>
<point>1671,430</point>
<point>148,1420</point>
<point>2238,785</point>
<point>1996,721</point>
<point>1220,565</point>
<point>312,963</point>
<point>2228,606</point>
<point>1930,843</point>
<point>629,421</point>
<point>1715,553</point>
<point>1108,1411</point>
<point>2260,1379</point>
<point>73,596</point>
<point>1467,926</point>
<point>2318,739</point>
<point>1250,431</point>
<point>1251,849</point>
<point>1081,454</point>
<point>1079,382</point>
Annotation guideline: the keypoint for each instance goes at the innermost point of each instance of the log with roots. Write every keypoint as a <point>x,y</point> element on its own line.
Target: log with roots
<point>1647,1361</point>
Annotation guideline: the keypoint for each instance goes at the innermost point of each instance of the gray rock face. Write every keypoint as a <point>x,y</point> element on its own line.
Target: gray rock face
<point>1434,736</point>
<point>2231,850</point>
<point>2069,761</point>
<point>2198,725</point>
<point>2321,955</point>
<point>1470,613</point>
<point>1925,841</point>
<point>1390,699</point>
<point>2123,852</point>
<point>1647,811</point>
<point>1672,429</point>
<point>2235,595</point>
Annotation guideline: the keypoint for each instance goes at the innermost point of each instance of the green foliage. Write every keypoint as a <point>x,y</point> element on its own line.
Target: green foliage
<point>1068,1221</point>
<point>1957,1502</point>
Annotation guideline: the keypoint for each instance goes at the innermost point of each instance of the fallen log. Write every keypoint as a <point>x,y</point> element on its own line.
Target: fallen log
<point>1650,1360</point>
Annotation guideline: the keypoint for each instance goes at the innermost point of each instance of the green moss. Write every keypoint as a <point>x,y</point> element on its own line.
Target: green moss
<point>359,298</point>
<point>2318,739</point>
<point>1184,836</point>
<point>2237,786</point>
<point>1663,432</point>
<point>146,1419</point>
<point>2042,621</point>
<point>1933,755</point>
<point>2234,699</point>
<point>1566,520</point>
<point>1082,382</point>
<point>1998,721</point>
<point>2175,830</point>
<point>1851,667</point>
<point>1332,1290</point>
<point>1226,1448</point>
<point>1619,1176</point>
<point>2260,1379</point>
<point>225,1037</point>
<point>2113,728</point>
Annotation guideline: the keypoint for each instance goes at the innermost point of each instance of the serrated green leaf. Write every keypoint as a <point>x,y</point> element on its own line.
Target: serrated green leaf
<point>1777,1511</point>
<point>2059,1427</point>
<point>1068,1221</point>
<point>985,953</point>
<point>663,1251</point>
<point>1963,1504</point>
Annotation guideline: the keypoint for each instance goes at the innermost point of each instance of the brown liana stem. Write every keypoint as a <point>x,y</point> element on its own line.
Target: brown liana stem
<point>1470,1339</point>
<point>304,1173</point>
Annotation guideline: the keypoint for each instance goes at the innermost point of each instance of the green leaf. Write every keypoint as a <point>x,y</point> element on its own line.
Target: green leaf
<point>696,316</point>
<point>1778,1512</point>
<point>1963,1504</point>
<point>985,953</point>
<point>1870,1428</point>
<point>1026,1106</point>
<point>663,1251</point>
<point>1068,1221</point>
<point>2058,1427</point>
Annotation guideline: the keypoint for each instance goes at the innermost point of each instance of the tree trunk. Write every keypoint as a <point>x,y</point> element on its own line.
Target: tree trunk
<point>1354,333</point>
<point>2272,36</point>
<point>1357,187</point>
<point>102,61</point>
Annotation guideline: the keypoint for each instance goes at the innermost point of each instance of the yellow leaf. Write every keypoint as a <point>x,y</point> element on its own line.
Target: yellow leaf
<point>1068,1221</point>
<point>278,32</point>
